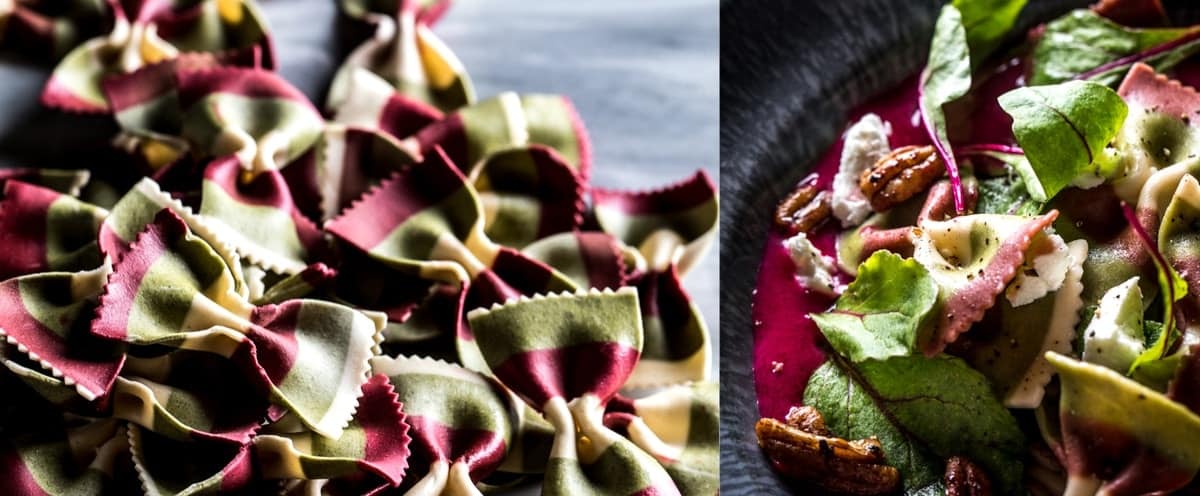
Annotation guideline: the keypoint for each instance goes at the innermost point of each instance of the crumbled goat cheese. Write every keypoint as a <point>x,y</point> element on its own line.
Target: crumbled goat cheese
<point>1115,336</point>
<point>864,144</point>
<point>1060,332</point>
<point>1041,275</point>
<point>814,270</point>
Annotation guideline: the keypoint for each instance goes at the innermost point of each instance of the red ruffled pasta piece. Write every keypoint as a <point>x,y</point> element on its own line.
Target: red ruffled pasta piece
<point>384,425</point>
<point>23,227</point>
<point>969,303</point>
<point>64,344</point>
<point>939,205</point>
<point>402,117</point>
<point>1148,89</point>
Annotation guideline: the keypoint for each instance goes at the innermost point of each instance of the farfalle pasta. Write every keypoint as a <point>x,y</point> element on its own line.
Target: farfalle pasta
<point>47,230</point>
<point>138,208</point>
<point>403,53</point>
<point>666,231</point>
<point>151,31</point>
<point>169,467</point>
<point>252,114</point>
<point>63,455</point>
<point>277,302</point>
<point>346,162</point>
<point>427,221</point>
<point>46,320</point>
<point>507,120</point>
<point>373,104</point>
<point>187,394</point>
<point>242,126</point>
<point>972,259</point>
<point>171,289</point>
<point>258,217</point>
<point>527,193</point>
<point>589,259</point>
<point>657,424</point>
<point>566,355</point>
<point>1009,348</point>
<point>67,181</point>
<point>1140,453</point>
<point>50,29</point>
<point>1159,129</point>
<point>376,442</point>
<point>463,422</point>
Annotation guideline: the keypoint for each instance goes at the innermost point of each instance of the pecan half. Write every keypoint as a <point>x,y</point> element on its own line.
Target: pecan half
<point>965,478</point>
<point>804,210</point>
<point>900,175</point>
<point>836,465</point>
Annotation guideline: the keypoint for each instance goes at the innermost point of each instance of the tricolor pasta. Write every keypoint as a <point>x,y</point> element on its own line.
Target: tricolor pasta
<point>273,298</point>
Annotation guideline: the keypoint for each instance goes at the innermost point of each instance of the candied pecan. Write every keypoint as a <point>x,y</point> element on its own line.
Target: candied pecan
<point>804,210</point>
<point>900,175</point>
<point>964,478</point>
<point>836,465</point>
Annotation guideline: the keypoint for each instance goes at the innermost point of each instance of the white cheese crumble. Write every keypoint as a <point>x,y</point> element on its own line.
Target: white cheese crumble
<point>863,145</point>
<point>1042,273</point>
<point>1115,336</point>
<point>814,270</point>
<point>1059,333</point>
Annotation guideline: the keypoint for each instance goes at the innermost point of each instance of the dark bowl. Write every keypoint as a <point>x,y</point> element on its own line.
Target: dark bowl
<point>790,71</point>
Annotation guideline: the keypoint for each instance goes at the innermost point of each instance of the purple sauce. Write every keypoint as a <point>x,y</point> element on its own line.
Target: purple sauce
<point>787,343</point>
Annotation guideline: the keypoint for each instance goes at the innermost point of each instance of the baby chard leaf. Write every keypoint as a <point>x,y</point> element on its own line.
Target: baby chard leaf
<point>966,32</point>
<point>884,312</point>
<point>987,22</point>
<point>1083,40</point>
<point>923,410</point>
<point>1064,129</point>
<point>946,78</point>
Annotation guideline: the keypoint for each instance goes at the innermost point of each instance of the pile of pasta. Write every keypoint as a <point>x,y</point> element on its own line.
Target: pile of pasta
<point>413,291</point>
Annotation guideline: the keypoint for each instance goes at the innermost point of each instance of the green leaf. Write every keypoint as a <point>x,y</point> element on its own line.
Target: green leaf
<point>884,312</point>
<point>1157,374</point>
<point>1006,195</point>
<point>1150,332</point>
<point>962,39</point>
<point>987,22</point>
<point>947,74</point>
<point>923,410</point>
<point>1063,128</point>
<point>1082,40</point>
<point>1175,232</point>
<point>1169,333</point>
<point>966,32</point>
